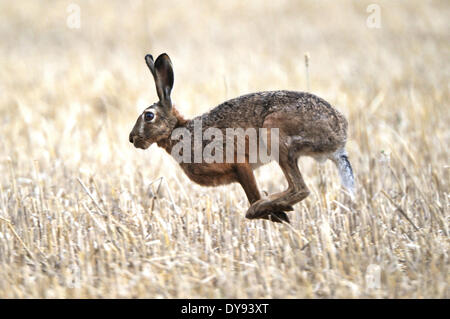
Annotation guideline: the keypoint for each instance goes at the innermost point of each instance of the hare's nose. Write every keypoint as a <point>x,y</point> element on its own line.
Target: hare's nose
<point>131,138</point>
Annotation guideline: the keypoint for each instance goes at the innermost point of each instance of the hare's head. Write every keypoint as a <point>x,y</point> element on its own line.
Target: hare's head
<point>157,121</point>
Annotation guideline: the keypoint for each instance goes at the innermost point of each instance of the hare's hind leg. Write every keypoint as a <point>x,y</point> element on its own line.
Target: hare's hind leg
<point>296,192</point>
<point>246,178</point>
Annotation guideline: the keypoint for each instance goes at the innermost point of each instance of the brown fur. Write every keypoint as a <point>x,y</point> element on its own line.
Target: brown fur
<point>307,125</point>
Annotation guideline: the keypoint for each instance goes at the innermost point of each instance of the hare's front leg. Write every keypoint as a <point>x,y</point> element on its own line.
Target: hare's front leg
<point>246,178</point>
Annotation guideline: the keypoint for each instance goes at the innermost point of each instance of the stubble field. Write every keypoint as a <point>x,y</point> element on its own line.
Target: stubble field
<point>83,214</point>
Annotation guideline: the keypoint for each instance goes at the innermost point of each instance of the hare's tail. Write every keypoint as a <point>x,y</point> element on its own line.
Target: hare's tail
<point>340,158</point>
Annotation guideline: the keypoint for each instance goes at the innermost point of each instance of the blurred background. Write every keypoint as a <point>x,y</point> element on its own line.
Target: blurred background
<point>74,71</point>
<point>73,81</point>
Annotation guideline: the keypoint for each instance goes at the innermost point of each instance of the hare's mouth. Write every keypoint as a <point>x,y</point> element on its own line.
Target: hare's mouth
<point>138,143</point>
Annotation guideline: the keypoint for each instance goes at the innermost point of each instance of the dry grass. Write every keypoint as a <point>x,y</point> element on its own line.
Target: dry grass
<point>70,97</point>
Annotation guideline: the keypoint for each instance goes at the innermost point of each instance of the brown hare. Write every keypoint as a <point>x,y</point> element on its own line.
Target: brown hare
<point>305,125</point>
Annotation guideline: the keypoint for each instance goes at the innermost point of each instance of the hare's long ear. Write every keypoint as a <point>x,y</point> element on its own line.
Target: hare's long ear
<point>163,74</point>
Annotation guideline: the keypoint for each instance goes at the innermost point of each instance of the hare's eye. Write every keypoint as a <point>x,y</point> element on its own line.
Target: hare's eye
<point>149,116</point>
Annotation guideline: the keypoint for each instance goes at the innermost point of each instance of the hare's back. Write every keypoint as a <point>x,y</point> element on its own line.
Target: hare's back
<point>250,110</point>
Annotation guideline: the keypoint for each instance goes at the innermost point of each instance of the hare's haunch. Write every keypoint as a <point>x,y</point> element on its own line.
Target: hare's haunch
<point>297,123</point>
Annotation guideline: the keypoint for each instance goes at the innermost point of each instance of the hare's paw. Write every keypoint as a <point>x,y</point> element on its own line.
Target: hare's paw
<point>259,209</point>
<point>268,209</point>
<point>277,217</point>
